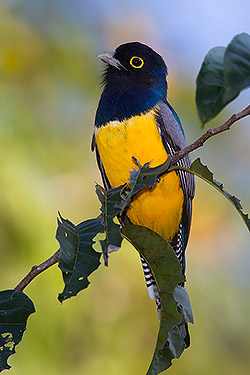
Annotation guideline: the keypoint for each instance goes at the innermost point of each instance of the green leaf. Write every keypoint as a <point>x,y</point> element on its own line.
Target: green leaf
<point>223,74</point>
<point>15,308</point>
<point>166,270</point>
<point>237,66</point>
<point>140,178</point>
<point>77,258</point>
<point>111,206</point>
<point>144,176</point>
<point>205,174</point>
<point>210,85</point>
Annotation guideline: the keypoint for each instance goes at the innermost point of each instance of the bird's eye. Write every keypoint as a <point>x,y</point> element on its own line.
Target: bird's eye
<point>136,62</point>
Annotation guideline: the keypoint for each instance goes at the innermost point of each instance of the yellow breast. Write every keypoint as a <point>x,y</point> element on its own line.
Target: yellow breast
<point>159,208</point>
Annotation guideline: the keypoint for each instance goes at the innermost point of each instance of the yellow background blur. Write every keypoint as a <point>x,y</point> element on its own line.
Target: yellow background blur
<point>49,90</point>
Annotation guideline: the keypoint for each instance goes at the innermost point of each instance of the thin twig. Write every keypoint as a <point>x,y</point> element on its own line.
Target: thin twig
<point>210,133</point>
<point>35,270</point>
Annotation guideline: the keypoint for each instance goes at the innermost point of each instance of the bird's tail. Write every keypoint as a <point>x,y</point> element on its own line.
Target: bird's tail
<point>154,295</point>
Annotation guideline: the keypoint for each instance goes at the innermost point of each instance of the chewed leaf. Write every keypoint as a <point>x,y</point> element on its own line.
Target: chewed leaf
<point>15,308</point>
<point>145,175</point>
<point>166,270</point>
<point>78,259</point>
<point>141,177</point>
<point>205,174</point>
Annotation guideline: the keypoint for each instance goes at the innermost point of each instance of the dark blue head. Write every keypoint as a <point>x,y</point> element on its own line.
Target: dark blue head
<point>134,81</point>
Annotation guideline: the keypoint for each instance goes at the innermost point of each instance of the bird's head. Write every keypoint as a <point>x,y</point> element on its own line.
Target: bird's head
<point>134,66</point>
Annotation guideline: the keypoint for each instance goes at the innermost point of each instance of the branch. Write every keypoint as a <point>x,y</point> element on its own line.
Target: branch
<point>210,133</point>
<point>35,270</point>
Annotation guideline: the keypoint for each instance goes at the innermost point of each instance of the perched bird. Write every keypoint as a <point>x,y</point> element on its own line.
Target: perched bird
<point>134,119</point>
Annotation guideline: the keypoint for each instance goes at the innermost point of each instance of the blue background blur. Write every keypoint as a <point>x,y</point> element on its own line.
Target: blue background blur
<point>49,90</point>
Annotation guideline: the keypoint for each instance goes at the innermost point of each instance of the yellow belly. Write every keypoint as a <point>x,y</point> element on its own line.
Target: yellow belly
<point>159,208</point>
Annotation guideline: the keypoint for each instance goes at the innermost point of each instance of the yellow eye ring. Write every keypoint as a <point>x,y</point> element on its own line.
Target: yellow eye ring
<point>136,62</point>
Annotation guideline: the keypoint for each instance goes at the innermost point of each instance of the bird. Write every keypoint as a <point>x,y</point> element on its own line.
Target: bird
<point>135,120</point>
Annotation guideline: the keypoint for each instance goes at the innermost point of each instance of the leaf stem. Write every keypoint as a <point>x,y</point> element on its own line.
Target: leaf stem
<point>36,270</point>
<point>210,133</point>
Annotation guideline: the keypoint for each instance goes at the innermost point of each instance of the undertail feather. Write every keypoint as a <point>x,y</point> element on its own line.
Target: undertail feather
<point>151,286</point>
<point>177,244</point>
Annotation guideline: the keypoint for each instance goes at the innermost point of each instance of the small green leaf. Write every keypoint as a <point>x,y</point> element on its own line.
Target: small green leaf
<point>15,308</point>
<point>205,174</point>
<point>77,258</point>
<point>210,85</point>
<point>223,74</point>
<point>111,206</point>
<point>146,176</point>
<point>166,270</point>
<point>142,177</point>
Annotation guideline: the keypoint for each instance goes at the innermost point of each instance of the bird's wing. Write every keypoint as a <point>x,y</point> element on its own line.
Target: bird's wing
<point>101,167</point>
<point>173,140</point>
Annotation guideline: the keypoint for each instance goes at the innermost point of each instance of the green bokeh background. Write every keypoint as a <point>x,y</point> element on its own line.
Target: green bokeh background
<point>49,90</point>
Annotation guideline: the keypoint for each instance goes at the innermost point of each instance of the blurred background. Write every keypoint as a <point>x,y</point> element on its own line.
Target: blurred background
<point>49,90</point>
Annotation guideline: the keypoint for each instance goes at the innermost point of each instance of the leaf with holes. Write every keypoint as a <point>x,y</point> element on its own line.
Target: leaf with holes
<point>77,259</point>
<point>167,272</point>
<point>15,308</point>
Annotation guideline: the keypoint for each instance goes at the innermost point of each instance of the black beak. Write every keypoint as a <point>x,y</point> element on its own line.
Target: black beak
<point>108,58</point>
